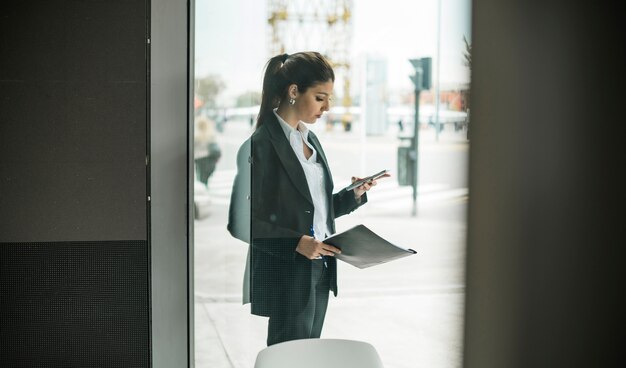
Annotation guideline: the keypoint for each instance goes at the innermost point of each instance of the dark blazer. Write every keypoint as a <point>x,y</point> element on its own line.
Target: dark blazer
<point>281,211</point>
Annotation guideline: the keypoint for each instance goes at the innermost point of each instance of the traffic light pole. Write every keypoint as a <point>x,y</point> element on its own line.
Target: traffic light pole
<point>422,81</point>
<point>414,151</point>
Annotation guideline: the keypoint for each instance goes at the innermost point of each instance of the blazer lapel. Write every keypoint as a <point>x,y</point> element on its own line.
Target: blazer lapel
<point>288,158</point>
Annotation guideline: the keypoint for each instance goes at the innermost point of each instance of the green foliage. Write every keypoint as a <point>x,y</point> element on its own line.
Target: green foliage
<point>467,55</point>
<point>249,98</point>
<point>208,88</point>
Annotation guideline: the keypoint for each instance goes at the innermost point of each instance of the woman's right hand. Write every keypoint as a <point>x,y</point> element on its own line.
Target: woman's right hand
<point>312,248</point>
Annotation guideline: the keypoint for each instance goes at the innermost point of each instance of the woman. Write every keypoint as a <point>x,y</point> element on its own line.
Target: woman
<point>292,208</point>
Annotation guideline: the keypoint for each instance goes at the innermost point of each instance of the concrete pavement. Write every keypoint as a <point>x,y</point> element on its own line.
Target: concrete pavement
<point>411,309</point>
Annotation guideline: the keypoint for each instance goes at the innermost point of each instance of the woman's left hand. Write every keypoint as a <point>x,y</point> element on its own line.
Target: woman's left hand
<point>359,191</point>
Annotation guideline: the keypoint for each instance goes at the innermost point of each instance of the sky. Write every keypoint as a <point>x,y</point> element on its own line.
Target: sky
<point>231,39</point>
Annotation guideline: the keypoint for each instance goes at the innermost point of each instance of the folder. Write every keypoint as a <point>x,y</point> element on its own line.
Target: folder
<point>362,248</point>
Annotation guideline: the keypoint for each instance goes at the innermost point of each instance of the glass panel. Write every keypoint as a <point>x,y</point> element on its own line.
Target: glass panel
<point>409,309</point>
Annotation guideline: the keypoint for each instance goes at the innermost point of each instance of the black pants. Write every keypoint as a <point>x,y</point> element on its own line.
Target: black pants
<point>308,322</point>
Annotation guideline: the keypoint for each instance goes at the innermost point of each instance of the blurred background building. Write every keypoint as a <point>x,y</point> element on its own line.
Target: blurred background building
<point>348,33</point>
<point>325,26</point>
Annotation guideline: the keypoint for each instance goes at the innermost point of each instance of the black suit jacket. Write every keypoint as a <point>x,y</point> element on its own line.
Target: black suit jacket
<point>281,211</point>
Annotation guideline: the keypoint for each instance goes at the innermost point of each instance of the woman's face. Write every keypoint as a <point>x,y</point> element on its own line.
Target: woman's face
<point>311,104</point>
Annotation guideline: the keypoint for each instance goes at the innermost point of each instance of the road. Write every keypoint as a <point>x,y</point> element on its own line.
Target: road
<point>411,310</point>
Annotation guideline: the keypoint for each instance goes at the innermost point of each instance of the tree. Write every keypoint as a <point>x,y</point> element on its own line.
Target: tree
<point>467,54</point>
<point>249,98</point>
<point>208,88</point>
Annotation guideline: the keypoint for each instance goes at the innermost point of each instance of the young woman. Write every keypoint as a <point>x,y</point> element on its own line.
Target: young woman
<point>292,205</point>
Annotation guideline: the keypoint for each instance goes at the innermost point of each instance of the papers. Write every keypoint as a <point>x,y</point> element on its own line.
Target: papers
<point>363,248</point>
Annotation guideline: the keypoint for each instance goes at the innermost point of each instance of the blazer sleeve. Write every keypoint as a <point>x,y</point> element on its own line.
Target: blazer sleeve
<point>344,202</point>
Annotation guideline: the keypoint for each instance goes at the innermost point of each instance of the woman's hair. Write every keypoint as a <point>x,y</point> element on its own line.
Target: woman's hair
<point>304,69</point>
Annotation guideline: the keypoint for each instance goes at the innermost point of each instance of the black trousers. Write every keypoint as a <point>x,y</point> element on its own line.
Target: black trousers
<point>308,322</point>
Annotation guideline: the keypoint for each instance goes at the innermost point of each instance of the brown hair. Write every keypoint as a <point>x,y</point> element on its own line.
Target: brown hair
<point>304,69</point>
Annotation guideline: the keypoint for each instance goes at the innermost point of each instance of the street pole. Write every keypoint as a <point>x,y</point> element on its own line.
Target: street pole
<point>415,145</point>
<point>422,80</point>
<point>437,90</point>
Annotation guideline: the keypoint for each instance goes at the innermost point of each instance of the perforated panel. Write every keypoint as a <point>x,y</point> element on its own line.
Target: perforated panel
<point>74,304</point>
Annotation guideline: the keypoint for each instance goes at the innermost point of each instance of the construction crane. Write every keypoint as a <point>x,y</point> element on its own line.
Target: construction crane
<point>320,25</point>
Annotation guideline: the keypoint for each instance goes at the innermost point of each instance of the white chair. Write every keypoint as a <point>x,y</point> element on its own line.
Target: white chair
<point>319,353</point>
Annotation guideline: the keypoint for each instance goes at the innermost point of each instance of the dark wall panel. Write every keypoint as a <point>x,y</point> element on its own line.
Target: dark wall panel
<point>546,212</point>
<point>74,251</point>
<point>74,304</point>
<point>73,120</point>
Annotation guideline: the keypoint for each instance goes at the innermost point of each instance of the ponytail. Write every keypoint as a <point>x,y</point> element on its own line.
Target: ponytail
<point>272,87</point>
<point>304,69</point>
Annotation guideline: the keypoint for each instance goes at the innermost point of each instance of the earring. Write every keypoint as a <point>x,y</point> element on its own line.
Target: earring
<point>292,101</point>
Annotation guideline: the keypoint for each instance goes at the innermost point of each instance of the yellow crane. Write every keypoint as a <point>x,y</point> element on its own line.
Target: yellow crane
<point>321,25</point>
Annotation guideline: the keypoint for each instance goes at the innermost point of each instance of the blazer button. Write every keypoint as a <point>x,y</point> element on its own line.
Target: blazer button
<point>307,211</point>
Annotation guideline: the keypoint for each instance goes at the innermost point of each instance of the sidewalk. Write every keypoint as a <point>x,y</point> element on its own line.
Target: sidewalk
<point>411,310</point>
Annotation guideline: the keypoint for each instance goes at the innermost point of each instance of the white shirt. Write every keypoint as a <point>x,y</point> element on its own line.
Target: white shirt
<point>314,172</point>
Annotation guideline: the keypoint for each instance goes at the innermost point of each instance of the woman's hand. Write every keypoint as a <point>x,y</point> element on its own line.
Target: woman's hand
<point>359,191</point>
<point>312,248</point>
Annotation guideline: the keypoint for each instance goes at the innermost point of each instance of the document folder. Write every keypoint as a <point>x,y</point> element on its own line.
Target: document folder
<point>363,248</point>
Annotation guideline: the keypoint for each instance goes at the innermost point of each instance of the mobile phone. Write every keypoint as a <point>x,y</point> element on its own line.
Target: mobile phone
<point>358,183</point>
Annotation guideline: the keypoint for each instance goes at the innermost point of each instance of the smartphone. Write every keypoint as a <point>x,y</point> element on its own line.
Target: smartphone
<point>358,183</point>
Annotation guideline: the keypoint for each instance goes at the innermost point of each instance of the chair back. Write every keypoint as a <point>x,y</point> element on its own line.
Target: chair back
<point>319,353</point>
